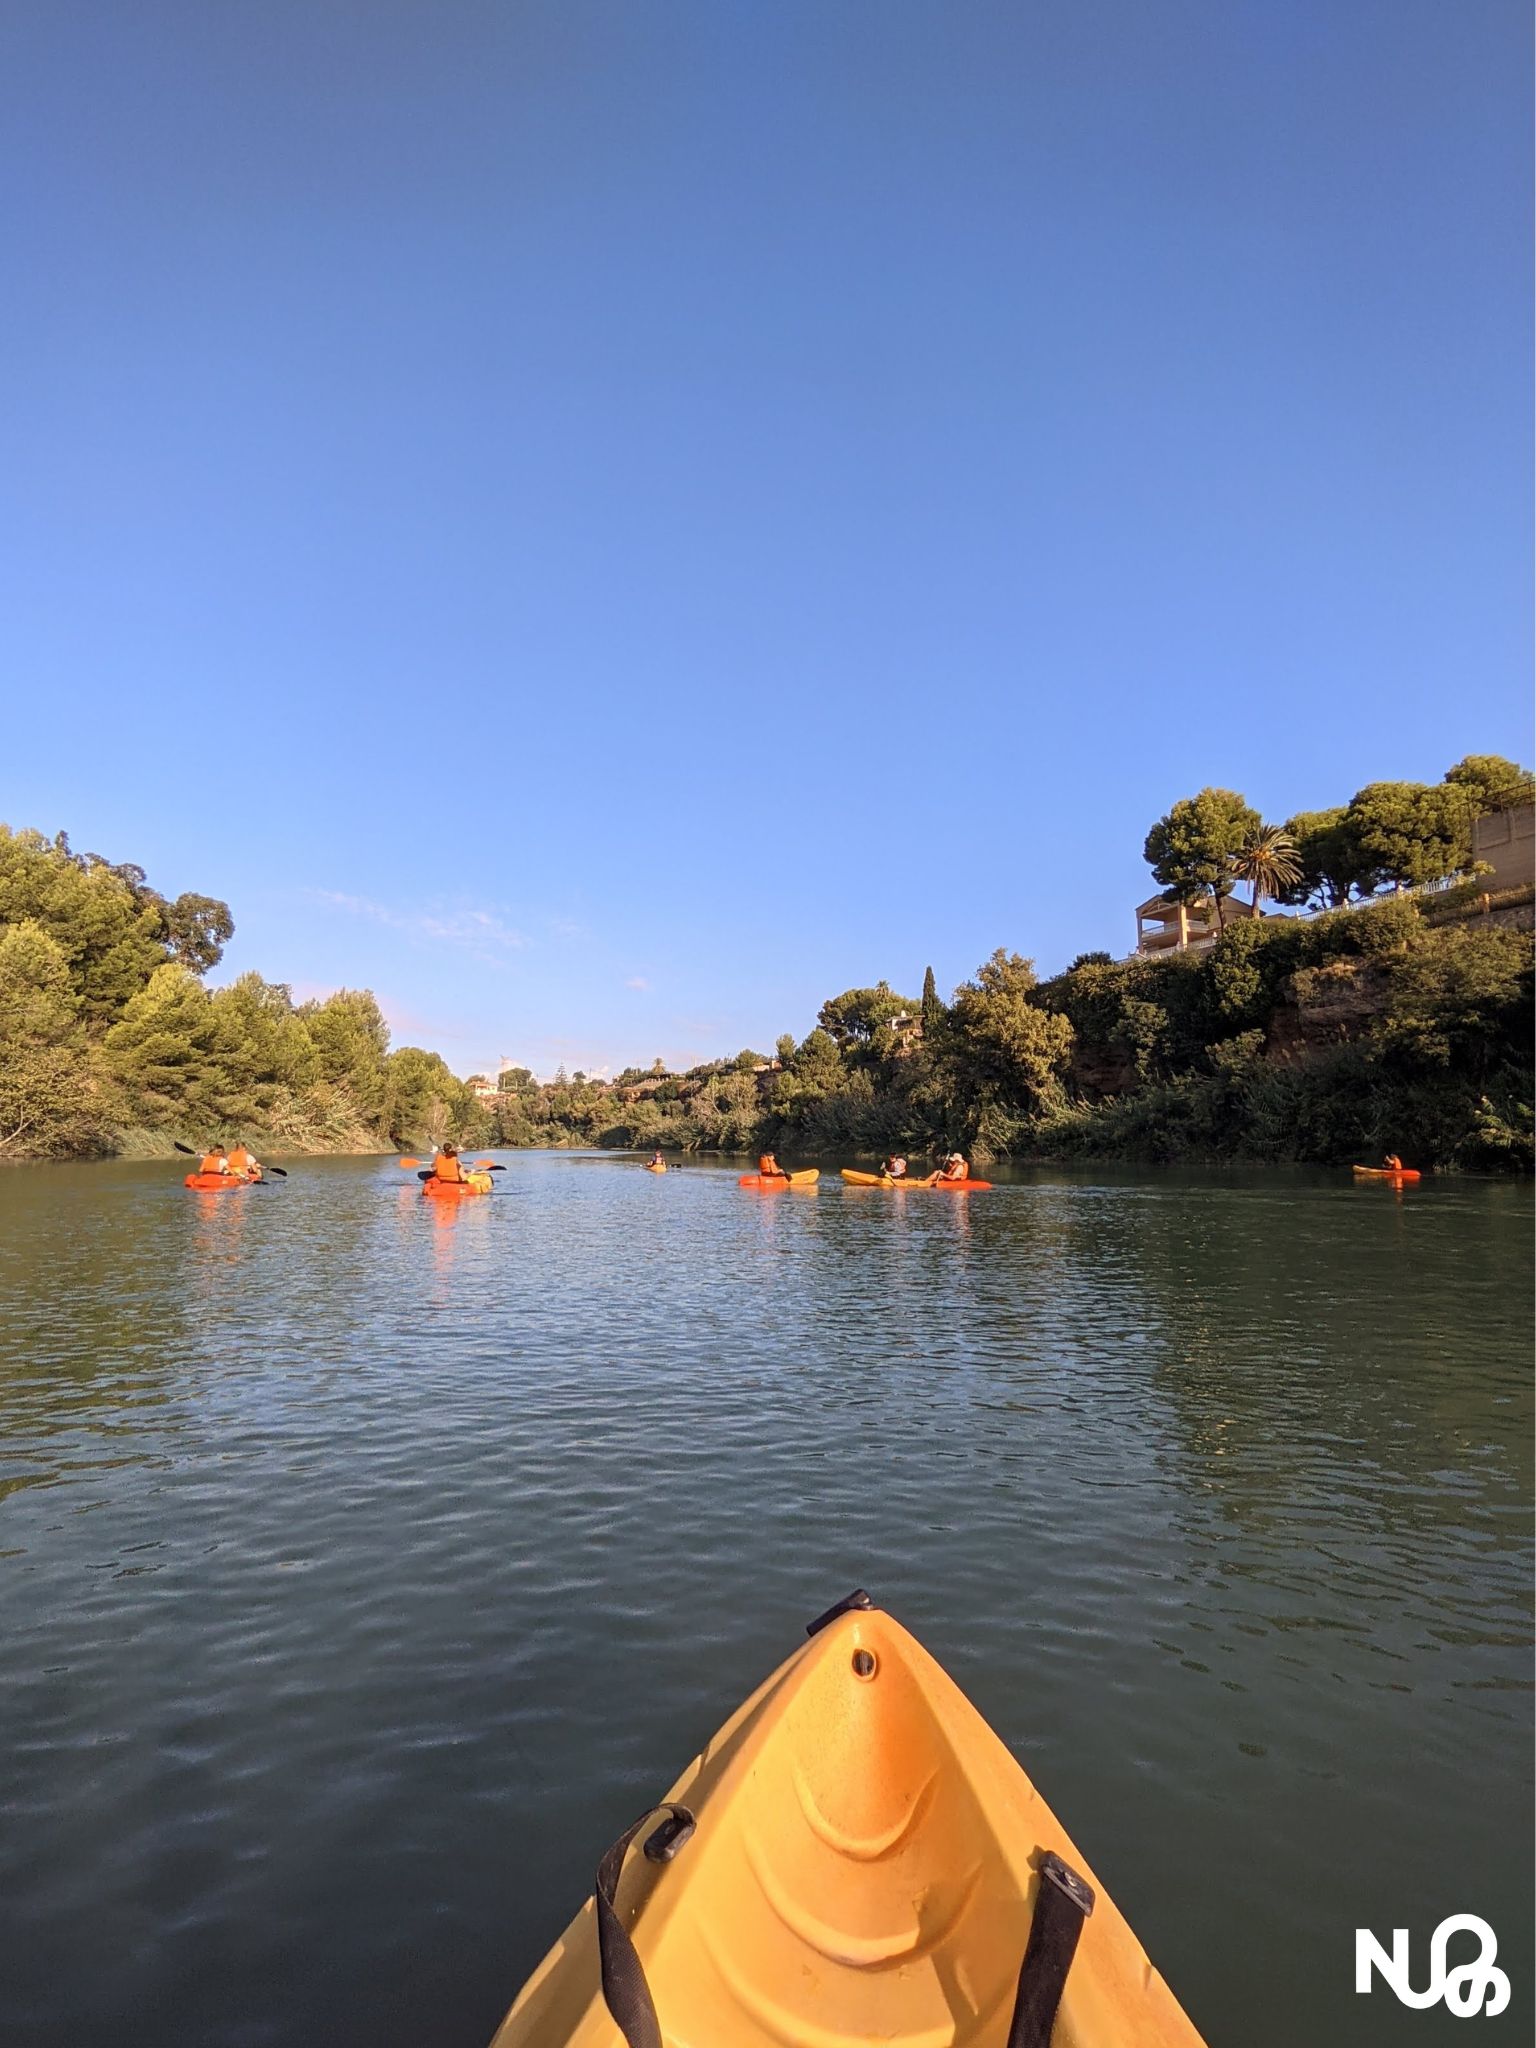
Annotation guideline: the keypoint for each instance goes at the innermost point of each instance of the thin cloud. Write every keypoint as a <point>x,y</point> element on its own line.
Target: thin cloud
<point>481,932</point>
<point>638,981</point>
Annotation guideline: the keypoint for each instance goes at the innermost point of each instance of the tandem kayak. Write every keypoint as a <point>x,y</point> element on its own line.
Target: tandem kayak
<point>855,1857</point>
<point>455,1190</point>
<point>1397,1173</point>
<point>884,1180</point>
<point>220,1183</point>
<point>807,1179</point>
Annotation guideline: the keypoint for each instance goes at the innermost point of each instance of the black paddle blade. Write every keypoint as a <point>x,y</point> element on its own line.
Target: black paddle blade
<point>191,1154</point>
<point>280,1171</point>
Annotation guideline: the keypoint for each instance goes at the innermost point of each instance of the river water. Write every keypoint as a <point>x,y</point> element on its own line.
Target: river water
<point>366,1564</point>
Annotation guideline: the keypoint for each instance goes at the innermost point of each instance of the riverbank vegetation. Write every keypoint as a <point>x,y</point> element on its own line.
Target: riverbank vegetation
<point>111,1041</point>
<point>1330,1039</point>
<point>1390,1021</point>
<point>1384,1021</point>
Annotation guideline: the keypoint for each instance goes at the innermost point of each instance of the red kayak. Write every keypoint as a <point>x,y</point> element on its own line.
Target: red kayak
<point>457,1190</point>
<point>770,1181</point>
<point>219,1183</point>
<point>1398,1174</point>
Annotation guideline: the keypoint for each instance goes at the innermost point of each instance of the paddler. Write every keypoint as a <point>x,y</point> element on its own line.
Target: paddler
<point>894,1169</point>
<point>213,1162</point>
<point>445,1162</point>
<point>955,1167</point>
<point>1392,1163</point>
<point>243,1161</point>
<point>769,1168</point>
<point>656,1158</point>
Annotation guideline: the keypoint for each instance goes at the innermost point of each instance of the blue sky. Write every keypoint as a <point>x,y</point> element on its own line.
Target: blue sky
<point>611,523</point>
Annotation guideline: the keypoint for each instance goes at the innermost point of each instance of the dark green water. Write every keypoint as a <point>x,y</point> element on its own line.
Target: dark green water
<point>364,1566</point>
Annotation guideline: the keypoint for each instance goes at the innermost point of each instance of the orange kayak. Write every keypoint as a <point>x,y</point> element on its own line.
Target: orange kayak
<point>1398,1173</point>
<point>854,1858</point>
<point>219,1183</point>
<point>769,1181</point>
<point>456,1190</point>
<point>654,1169</point>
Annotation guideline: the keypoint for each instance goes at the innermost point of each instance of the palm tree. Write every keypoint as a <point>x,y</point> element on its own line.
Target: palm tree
<point>1268,861</point>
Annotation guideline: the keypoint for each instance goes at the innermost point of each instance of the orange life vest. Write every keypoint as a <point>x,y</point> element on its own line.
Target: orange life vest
<point>445,1168</point>
<point>769,1167</point>
<point>961,1170</point>
<point>240,1160</point>
<point>213,1162</point>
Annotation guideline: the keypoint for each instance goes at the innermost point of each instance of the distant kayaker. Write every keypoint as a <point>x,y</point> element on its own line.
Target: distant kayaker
<point>894,1169</point>
<point>769,1168</point>
<point>1392,1163</point>
<point>954,1168</point>
<point>213,1162</point>
<point>242,1160</point>
<point>656,1158</point>
<point>445,1163</point>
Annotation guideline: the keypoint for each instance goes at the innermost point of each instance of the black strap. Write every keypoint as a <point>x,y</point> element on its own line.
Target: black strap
<point>1063,1902</point>
<point>625,1991</point>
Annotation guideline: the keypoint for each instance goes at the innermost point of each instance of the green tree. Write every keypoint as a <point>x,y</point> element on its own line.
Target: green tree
<point>351,1041</point>
<point>164,1052</point>
<point>52,1095</point>
<point>1408,833</point>
<point>262,1046</point>
<point>860,1019</point>
<point>1190,851</point>
<point>1333,864</point>
<point>1005,1042</point>
<point>426,1099</point>
<point>197,929</point>
<point>1489,782</point>
<point>111,940</point>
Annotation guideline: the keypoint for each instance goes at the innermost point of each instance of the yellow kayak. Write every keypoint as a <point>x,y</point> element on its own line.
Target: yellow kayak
<point>929,1180</point>
<point>651,1168</point>
<point>855,1858</point>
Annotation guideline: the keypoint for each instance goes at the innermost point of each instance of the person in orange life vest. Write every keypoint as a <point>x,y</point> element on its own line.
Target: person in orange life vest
<point>213,1162</point>
<point>445,1163</point>
<point>954,1168</point>
<point>1392,1163</point>
<point>244,1161</point>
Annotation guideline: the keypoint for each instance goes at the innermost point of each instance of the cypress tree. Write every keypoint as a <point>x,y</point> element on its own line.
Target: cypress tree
<point>932,1008</point>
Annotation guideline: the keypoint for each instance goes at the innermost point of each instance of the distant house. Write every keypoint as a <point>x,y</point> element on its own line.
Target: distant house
<point>1165,925</point>
<point>1506,841</point>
